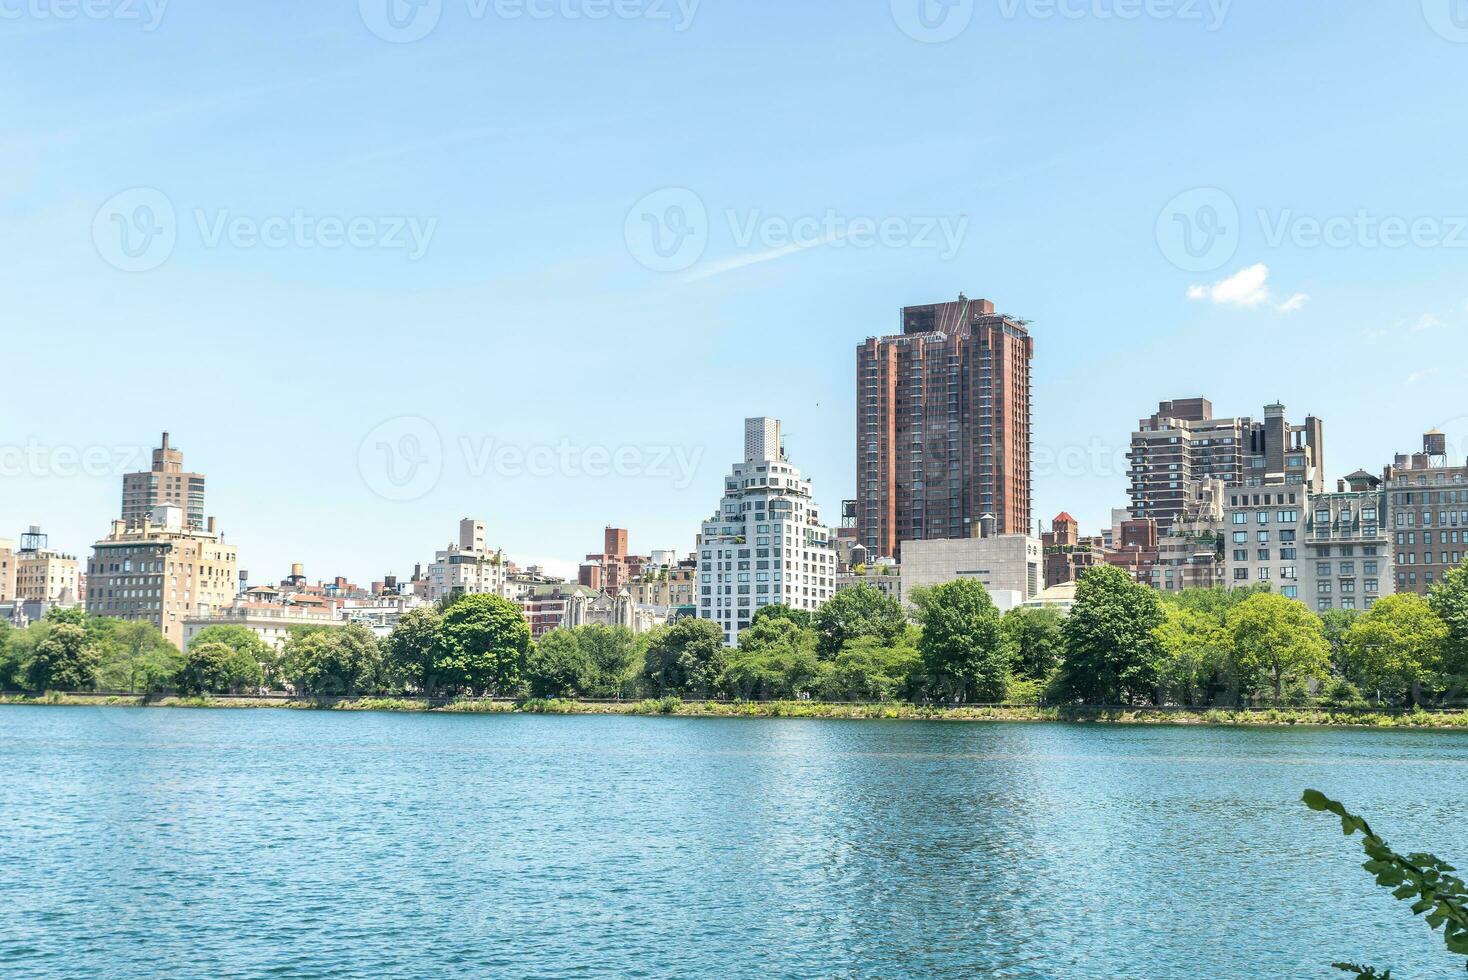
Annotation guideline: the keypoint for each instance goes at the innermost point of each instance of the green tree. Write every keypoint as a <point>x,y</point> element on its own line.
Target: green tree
<point>12,667</point>
<point>1034,639</point>
<point>1337,623</point>
<point>1194,645</point>
<point>557,667</point>
<point>775,658</point>
<point>1449,599</point>
<point>332,660</point>
<point>484,643</point>
<point>1424,880</point>
<point>245,642</point>
<point>1216,602</point>
<point>685,657</point>
<point>135,656</point>
<point>612,651</point>
<point>1277,642</point>
<point>964,651</point>
<point>1396,650</point>
<point>862,610</point>
<point>867,669</point>
<point>1112,653</point>
<point>218,668</point>
<point>800,617</point>
<point>65,659</point>
<point>411,651</point>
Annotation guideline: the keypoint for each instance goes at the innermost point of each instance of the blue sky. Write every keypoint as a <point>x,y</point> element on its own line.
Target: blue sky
<point>524,318</point>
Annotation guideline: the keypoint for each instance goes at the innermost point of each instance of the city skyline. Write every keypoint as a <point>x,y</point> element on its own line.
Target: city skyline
<point>536,313</point>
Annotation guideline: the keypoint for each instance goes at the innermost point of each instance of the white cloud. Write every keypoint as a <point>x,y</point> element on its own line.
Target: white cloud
<point>1423,375</point>
<point>1428,321</point>
<point>1248,288</point>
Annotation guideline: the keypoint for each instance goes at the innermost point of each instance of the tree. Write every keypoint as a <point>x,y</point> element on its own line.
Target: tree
<point>243,641</point>
<point>775,659</point>
<point>866,669</point>
<point>558,667</point>
<point>1034,640</point>
<point>963,647</point>
<point>685,657</point>
<point>411,650</point>
<point>1449,599</point>
<point>1276,642</point>
<point>800,617</point>
<point>612,653</point>
<point>65,659</point>
<point>218,668</point>
<point>1194,645</point>
<point>1112,653</point>
<point>332,660</point>
<point>1396,649</point>
<point>135,655</point>
<point>1337,623</point>
<point>484,642</point>
<point>1425,880</point>
<point>862,610</point>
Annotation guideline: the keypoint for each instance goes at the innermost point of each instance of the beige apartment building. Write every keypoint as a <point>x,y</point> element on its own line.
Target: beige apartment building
<point>7,569</point>
<point>161,571</point>
<point>669,586</point>
<point>166,484</point>
<point>33,572</point>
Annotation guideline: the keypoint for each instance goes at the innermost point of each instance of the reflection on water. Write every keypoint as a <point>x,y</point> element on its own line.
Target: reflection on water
<point>305,844</point>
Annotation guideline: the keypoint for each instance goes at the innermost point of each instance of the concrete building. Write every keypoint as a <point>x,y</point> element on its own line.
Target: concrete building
<point>7,570</point>
<point>271,621</point>
<point>1190,555</point>
<point>943,426</point>
<point>161,571</point>
<point>44,575</point>
<point>166,484</point>
<point>883,574</point>
<point>1348,546</point>
<point>765,545</point>
<point>1183,444</point>
<point>1264,527</point>
<point>467,567</point>
<point>1009,566</point>
<point>673,585</point>
<point>1427,511</point>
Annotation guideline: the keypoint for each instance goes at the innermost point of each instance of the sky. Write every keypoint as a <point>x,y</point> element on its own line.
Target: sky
<point>377,268</point>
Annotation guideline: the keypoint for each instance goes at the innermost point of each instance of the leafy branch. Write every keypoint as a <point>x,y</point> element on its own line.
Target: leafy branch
<point>1423,879</point>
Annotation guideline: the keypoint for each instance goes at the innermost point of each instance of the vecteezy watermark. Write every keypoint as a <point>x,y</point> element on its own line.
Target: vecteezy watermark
<point>668,231</point>
<point>406,21</point>
<point>932,21</point>
<point>675,464</point>
<point>137,230</point>
<point>1449,18</point>
<point>147,14</point>
<point>401,459</point>
<point>1200,230</point>
<point>36,459</point>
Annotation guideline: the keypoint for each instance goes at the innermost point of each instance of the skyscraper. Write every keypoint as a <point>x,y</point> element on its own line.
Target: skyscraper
<point>765,545</point>
<point>166,484</point>
<point>1182,444</point>
<point>943,426</point>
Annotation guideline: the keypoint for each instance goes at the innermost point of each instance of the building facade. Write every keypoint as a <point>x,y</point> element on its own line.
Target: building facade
<point>1189,556</point>
<point>1009,566</point>
<point>1427,511</point>
<point>1182,444</point>
<point>943,426</point>
<point>1068,555</point>
<point>166,484</point>
<point>1264,528</point>
<point>44,575</point>
<point>161,572</point>
<point>466,567</point>
<point>884,575</point>
<point>270,621</point>
<point>1348,548</point>
<point>765,545</point>
<point>614,569</point>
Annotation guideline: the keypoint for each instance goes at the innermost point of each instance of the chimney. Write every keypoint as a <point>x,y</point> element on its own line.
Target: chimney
<point>165,440</point>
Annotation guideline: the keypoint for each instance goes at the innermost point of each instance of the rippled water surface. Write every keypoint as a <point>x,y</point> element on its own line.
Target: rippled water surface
<point>268,843</point>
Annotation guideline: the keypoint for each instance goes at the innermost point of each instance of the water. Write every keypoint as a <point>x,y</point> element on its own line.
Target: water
<point>269,843</point>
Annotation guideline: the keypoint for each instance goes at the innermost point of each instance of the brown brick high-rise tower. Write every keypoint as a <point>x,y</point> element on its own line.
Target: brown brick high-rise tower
<point>943,426</point>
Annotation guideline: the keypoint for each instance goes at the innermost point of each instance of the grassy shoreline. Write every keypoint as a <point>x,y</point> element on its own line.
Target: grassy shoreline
<point>1317,717</point>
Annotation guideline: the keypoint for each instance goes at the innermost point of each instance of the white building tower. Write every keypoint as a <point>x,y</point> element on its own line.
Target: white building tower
<point>766,544</point>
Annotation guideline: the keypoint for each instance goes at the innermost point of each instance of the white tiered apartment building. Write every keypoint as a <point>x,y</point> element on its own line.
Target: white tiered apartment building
<point>766,544</point>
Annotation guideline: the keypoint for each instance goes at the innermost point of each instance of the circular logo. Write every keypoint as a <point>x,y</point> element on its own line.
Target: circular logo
<point>668,230</point>
<point>1449,18</point>
<point>932,21</point>
<point>136,229</point>
<point>401,459</point>
<point>400,21</point>
<point>1198,231</point>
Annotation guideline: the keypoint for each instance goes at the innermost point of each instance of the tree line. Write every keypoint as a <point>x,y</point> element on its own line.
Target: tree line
<point>1121,644</point>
